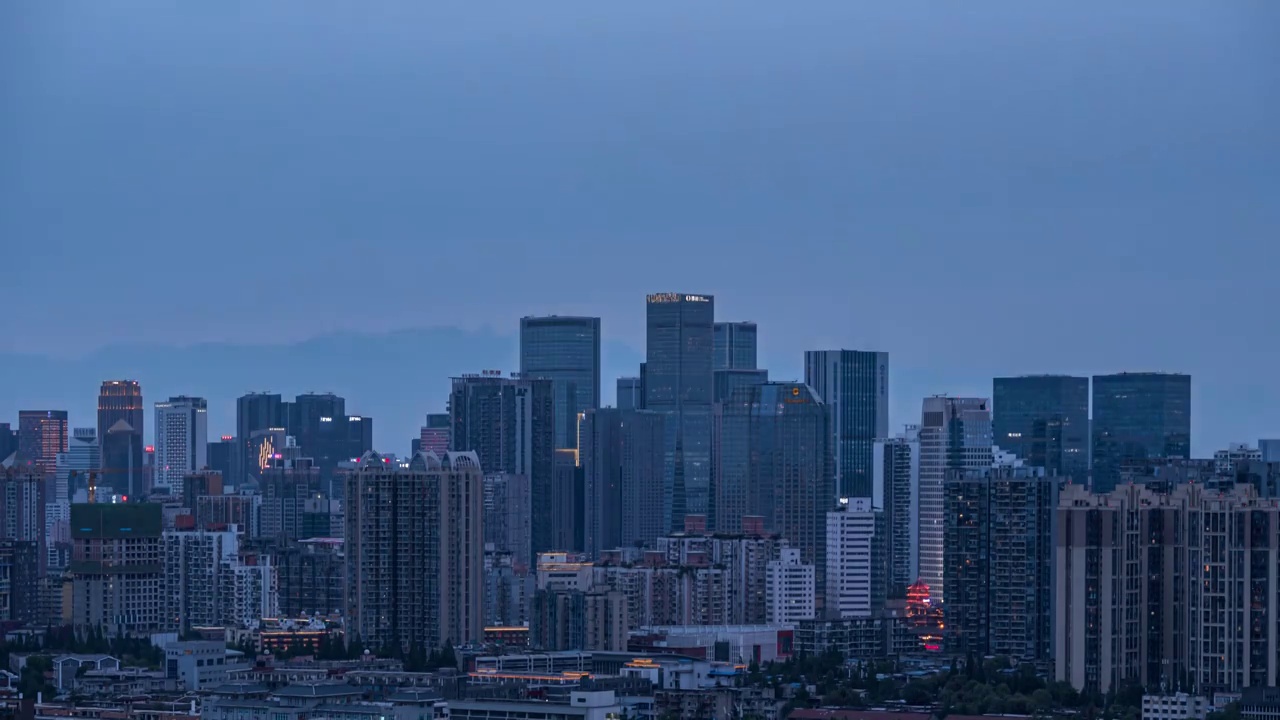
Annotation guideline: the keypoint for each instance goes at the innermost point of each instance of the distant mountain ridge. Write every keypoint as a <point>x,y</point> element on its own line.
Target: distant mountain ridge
<point>396,377</point>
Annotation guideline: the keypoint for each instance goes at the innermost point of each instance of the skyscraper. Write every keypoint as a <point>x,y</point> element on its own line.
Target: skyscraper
<point>42,434</point>
<point>623,464</point>
<point>565,350</point>
<point>8,442</point>
<point>896,477</point>
<point>677,376</point>
<point>117,568</point>
<point>83,455</point>
<point>630,393</point>
<point>182,440</point>
<point>1044,420</point>
<point>435,434</point>
<point>735,346</point>
<point>123,470</point>
<point>1138,418</point>
<point>855,387</point>
<point>998,592</point>
<point>955,435</point>
<point>324,432</point>
<point>22,508</point>
<point>725,381</point>
<point>854,576</point>
<point>220,456</point>
<point>773,460</point>
<point>120,400</point>
<point>509,424</point>
<point>254,412</point>
<point>415,551</point>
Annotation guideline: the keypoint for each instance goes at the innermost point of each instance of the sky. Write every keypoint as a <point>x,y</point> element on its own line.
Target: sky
<point>979,189</point>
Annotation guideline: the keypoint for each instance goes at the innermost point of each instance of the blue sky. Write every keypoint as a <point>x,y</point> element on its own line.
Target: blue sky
<point>978,188</point>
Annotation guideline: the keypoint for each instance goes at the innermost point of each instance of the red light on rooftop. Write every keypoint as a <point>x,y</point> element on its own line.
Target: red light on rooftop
<point>150,448</point>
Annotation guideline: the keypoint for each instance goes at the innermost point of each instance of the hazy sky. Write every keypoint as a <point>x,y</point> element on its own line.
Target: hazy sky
<point>978,188</point>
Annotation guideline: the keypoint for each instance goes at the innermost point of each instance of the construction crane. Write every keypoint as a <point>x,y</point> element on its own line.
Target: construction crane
<point>93,478</point>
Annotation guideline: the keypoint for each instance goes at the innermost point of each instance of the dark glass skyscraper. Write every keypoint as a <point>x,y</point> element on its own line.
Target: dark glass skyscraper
<point>855,387</point>
<point>773,460</point>
<point>677,378</point>
<point>727,380</point>
<point>1044,420</point>
<point>1138,418</point>
<point>255,412</point>
<point>120,400</point>
<point>735,344</point>
<point>565,350</point>
<point>630,394</point>
<point>122,462</point>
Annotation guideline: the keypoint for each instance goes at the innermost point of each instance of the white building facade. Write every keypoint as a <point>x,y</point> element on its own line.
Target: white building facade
<point>182,440</point>
<point>850,532</point>
<point>790,589</point>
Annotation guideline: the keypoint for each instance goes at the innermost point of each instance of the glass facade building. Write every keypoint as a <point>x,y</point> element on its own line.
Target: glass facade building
<point>773,460</point>
<point>726,381</point>
<point>42,434</point>
<point>677,378</point>
<point>566,351</point>
<point>1138,418</point>
<point>120,400</point>
<point>855,387</point>
<point>1044,420</point>
<point>735,344</point>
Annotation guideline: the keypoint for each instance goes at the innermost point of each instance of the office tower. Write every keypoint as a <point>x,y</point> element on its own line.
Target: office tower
<point>507,516</point>
<point>623,466</point>
<point>896,479</point>
<point>120,400</point>
<point>854,385</point>
<point>42,434</point>
<point>321,427</point>
<point>255,412</point>
<point>415,551</point>
<point>726,381</point>
<point>182,440</point>
<point>955,434</point>
<point>854,585</point>
<point>1176,589</point>
<point>789,589</point>
<point>435,434</point>
<point>8,443</point>
<point>19,581</point>
<point>630,394</point>
<point>73,467</point>
<point>566,351</point>
<point>286,487</point>
<point>509,424</point>
<point>998,592</point>
<point>219,456</point>
<point>123,469</point>
<point>735,346</point>
<point>567,502</point>
<point>1138,419</point>
<point>310,577</point>
<point>679,355</point>
<point>117,568</point>
<point>773,460</point>
<point>1044,419</point>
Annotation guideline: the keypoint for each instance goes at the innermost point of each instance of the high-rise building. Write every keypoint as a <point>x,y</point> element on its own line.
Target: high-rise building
<point>117,568</point>
<point>19,581</point>
<point>677,377</point>
<point>855,387</point>
<point>507,516</point>
<point>509,424</point>
<point>83,456</point>
<point>896,476</point>
<point>790,589</point>
<point>773,460</point>
<point>1225,462</point>
<point>211,582</point>
<point>255,412</point>
<point>435,434</point>
<point>726,381</point>
<point>415,551</point>
<point>1270,450</point>
<point>310,577</point>
<point>566,351</point>
<point>735,346</point>
<point>22,509</point>
<point>630,393</point>
<point>182,440</point>
<point>955,434</point>
<point>1174,589</point>
<point>1138,419</point>
<point>1044,420</point>
<point>220,456</point>
<point>998,594</point>
<point>623,464</point>
<point>286,487</point>
<point>854,585</point>
<point>120,400</point>
<point>324,432</point>
<point>8,442</point>
<point>42,434</point>
<point>567,498</point>
<point>123,467</point>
